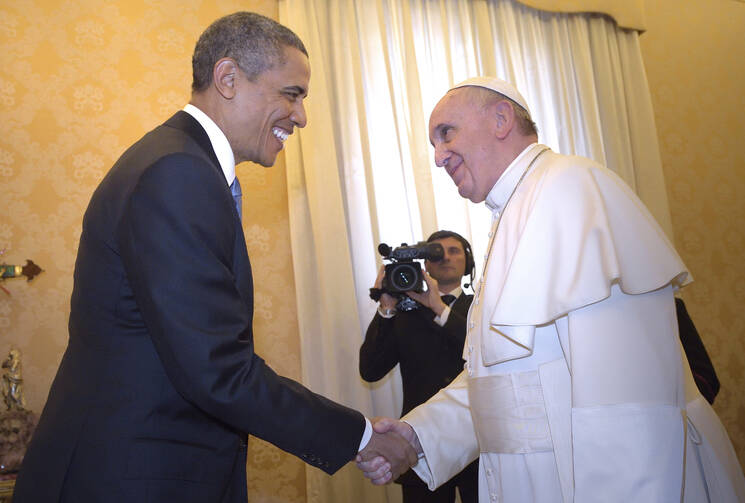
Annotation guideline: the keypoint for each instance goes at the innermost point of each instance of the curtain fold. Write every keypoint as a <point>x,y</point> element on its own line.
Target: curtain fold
<point>628,13</point>
<point>362,171</point>
<point>322,164</point>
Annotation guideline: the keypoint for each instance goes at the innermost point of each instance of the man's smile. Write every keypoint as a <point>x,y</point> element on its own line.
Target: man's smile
<point>280,134</point>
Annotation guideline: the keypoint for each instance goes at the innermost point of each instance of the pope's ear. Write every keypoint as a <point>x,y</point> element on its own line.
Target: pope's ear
<point>505,116</point>
<point>225,77</point>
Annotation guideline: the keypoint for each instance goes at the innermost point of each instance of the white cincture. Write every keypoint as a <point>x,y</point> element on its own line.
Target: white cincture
<point>509,413</point>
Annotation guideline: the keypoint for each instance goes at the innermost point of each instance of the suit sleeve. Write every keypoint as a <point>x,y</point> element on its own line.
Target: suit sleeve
<point>379,351</point>
<point>178,240</point>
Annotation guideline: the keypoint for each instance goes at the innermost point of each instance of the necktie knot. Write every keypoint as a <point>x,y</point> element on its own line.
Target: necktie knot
<point>235,189</point>
<point>447,299</point>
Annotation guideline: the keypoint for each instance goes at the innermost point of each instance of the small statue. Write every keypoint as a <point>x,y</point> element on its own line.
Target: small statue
<point>13,382</point>
<point>16,423</point>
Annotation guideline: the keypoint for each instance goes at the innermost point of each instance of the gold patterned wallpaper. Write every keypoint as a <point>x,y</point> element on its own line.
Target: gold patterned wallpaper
<point>79,82</point>
<point>695,60</point>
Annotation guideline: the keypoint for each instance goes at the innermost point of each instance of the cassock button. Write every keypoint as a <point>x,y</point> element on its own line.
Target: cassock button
<point>476,302</point>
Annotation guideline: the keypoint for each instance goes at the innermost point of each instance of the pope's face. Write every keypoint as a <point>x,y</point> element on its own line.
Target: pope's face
<point>463,134</point>
<point>266,111</point>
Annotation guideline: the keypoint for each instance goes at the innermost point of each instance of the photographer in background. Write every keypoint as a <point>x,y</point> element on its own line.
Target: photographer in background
<point>428,344</point>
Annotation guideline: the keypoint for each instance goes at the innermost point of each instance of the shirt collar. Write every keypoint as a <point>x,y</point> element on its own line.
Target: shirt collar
<point>454,292</point>
<point>505,186</point>
<point>219,141</point>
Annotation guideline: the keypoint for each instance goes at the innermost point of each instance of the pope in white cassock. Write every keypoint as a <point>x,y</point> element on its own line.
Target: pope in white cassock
<point>575,386</point>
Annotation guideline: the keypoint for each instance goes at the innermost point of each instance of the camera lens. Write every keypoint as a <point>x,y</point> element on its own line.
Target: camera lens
<point>404,277</point>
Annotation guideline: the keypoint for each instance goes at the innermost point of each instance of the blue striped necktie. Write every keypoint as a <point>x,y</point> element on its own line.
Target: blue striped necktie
<point>235,189</point>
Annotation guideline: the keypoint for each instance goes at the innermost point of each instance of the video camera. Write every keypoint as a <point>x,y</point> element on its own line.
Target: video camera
<point>403,274</point>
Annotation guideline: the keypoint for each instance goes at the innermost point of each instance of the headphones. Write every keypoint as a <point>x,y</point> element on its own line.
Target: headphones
<point>470,269</point>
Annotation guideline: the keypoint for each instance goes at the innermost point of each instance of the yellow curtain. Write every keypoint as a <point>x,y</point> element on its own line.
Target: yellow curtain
<point>627,14</point>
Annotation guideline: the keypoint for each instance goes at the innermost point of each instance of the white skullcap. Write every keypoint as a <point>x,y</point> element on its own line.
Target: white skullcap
<point>498,85</point>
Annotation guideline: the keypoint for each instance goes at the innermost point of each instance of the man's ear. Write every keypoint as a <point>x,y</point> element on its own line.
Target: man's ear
<point>505,116</point>
<point>225,77</point>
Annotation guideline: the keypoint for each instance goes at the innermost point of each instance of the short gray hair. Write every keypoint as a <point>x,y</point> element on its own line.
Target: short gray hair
<point>254,41</point>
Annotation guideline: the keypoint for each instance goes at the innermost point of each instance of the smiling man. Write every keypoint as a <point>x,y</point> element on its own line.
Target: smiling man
<point>575,388</point>
<point>160,384</point>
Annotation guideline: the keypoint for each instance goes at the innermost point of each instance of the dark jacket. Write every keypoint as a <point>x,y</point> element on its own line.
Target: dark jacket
<point>160,384</point>
<point>430,355</point>
<point>698,359</point>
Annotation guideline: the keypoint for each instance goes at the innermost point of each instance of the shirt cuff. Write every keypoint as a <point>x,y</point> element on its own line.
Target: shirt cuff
<point>367,435</point>
<point>443,317</point>
<point>386,313</point>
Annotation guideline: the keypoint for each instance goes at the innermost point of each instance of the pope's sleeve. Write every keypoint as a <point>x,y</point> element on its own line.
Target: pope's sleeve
<point>177,239</point>
<point>445,429</point>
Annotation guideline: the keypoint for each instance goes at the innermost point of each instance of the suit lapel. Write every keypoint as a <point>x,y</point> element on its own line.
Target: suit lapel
<point>461,303</point>
<point>242,269</point>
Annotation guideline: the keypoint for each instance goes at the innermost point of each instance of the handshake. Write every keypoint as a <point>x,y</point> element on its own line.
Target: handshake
<point>392,449</point>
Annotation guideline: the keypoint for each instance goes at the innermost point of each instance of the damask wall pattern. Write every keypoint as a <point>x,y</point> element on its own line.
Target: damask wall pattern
<point>79,82</point>
<point>695,60</point>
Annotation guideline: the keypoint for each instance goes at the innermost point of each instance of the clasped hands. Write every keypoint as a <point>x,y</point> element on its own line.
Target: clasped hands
<point>392,449</point>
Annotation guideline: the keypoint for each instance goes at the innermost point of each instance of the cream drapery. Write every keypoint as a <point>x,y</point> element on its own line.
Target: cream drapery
<point>362,172</point>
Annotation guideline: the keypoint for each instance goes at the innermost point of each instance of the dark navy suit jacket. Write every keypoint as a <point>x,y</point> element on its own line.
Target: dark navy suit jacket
<point>160,384</point>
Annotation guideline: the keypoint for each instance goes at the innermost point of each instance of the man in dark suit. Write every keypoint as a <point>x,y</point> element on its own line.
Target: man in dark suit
<point>427,343</point>
<point>160,385</point>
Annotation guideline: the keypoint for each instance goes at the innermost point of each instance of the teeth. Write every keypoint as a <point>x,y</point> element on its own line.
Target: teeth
<point>281,134</point>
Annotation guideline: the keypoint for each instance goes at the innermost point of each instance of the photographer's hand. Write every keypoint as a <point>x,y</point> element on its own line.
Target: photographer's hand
<point>387,302</point>
<point>430,298</point>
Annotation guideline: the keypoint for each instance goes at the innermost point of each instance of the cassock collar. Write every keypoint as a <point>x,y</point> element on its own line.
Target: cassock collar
<point>219,141</point>
<point>505,186</point>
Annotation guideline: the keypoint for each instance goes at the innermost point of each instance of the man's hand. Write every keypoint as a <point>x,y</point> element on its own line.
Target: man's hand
<point>377,466</point>
<point>430,298</point>
<point>387,301</point>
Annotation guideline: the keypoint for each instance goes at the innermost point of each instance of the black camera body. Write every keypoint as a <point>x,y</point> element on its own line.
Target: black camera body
<point>403,274</point>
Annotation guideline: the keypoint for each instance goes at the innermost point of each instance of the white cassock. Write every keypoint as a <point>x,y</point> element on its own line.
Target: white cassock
<point>575,385</point>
